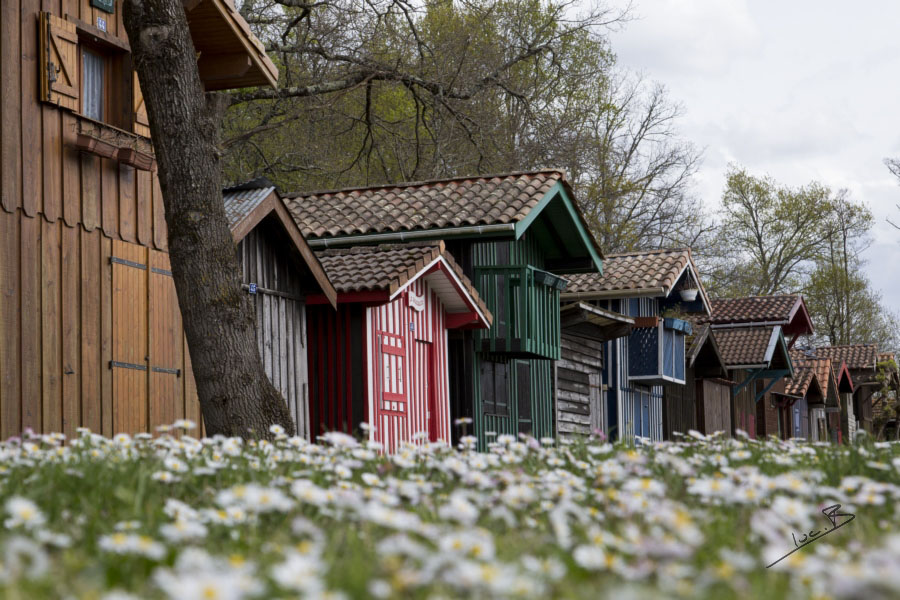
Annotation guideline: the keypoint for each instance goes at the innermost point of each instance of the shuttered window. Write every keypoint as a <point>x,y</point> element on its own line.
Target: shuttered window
<point>89,72</point>
<point>92,88</point>
<point>494,376</point>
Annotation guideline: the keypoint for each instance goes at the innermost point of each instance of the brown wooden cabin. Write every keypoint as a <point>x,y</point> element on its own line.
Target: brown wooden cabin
<point>885,419</point>
<point>774,325</point>
<point>279,272</point>
<point>819,388</point>
<point>579,371</point>
<point>84,275</point>
<point>703,403</point>
<point>862,363</point>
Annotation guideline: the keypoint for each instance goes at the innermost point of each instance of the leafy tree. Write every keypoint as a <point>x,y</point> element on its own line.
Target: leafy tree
<point>770,234</point>
<point>386,90</point>
<point>887,398</point>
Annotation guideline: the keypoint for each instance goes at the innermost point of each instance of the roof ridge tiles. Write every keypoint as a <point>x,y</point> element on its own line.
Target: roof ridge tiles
<point>423,182</point>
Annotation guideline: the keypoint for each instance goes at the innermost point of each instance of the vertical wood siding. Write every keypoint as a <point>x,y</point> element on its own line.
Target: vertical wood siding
<point>336,369</point>
<point>41,171</point>
<point>409,390</point>
<point>634,410</point>
<point>66,312</point>
<point>280,320</point>
<point>540,395</point>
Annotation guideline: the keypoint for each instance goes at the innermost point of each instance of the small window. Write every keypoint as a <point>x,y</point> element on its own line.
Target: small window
<point>93,85</point>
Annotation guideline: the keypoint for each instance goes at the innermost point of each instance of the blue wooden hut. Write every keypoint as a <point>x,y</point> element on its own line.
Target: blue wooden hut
<point>658,289</point>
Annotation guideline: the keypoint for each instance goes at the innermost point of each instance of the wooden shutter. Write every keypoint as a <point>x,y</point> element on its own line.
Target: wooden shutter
<point>130,351</point>
<point>58,61</point>
<point>141,124</point>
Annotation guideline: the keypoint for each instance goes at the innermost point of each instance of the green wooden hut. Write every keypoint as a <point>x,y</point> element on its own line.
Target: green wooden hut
<point>513,235</point>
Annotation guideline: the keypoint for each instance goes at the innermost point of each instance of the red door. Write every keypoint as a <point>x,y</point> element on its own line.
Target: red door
<point>392,410</point>
<point>425,354</point>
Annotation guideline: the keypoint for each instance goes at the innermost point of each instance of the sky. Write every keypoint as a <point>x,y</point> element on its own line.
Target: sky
<point>795,89</point>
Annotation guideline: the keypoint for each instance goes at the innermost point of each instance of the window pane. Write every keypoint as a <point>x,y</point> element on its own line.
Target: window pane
<point>93,86</point>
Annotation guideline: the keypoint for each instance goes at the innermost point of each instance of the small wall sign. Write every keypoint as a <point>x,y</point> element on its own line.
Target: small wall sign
<point>417,303</point>
<point>101,23</point>
<point>252,288</point>
<point>108,6</point>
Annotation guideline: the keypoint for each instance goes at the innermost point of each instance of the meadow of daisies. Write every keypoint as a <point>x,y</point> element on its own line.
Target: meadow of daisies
<point>173,516</point>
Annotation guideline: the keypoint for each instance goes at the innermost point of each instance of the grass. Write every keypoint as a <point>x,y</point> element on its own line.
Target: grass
<point>173,516</point>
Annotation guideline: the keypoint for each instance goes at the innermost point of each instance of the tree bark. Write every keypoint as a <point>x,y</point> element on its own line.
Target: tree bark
<point>236,396</point>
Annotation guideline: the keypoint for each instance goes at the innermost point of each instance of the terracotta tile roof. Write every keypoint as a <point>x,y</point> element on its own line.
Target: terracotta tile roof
<point>744,345</point>
<point>388,267</point>
<point>857,356</point>
<point>632,271</point>
<point>239,203</point>
<point>754,309</point>
<point>799,384</point>
<point>886,356</point>
<point>483,200</point>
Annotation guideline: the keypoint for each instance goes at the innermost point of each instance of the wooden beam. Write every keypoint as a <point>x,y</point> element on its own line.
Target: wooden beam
<point>223,67</point>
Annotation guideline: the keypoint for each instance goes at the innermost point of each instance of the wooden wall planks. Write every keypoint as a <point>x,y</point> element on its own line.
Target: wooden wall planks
<point>66,311</point>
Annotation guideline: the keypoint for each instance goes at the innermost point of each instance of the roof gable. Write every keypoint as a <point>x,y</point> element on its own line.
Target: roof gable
<point>756,347</point>
<point>246,207</point>
<point>654,273</point>
<point>503,206</point>
<point>393,268</point>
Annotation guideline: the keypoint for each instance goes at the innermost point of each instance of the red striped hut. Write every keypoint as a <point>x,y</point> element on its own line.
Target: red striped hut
<point>381,358</point>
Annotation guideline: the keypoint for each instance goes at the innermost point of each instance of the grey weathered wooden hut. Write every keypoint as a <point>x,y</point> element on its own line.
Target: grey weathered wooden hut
<point>279,271</point>
<point>579,371</point>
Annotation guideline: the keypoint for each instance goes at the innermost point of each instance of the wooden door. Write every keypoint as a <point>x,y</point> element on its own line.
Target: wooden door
<point>523,396</point>
<point>392,406</point>
<point>426,390</point>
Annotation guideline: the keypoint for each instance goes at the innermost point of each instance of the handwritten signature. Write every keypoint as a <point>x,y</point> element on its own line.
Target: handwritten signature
<point>831,513</point>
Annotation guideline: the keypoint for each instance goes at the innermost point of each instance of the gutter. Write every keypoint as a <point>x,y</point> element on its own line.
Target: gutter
<point>418,234</point>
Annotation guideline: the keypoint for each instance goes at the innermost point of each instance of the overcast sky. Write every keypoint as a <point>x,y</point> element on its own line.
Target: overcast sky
<point>797,89</point>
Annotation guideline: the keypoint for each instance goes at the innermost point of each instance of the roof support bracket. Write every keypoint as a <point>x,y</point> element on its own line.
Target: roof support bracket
<point>775,379</point>
<point>753,377</point>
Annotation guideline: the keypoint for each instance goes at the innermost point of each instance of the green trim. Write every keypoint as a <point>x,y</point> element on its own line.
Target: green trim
<point>560,190</point>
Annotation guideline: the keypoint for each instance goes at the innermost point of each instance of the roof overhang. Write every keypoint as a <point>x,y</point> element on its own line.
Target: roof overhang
<point>228,54</point>
<point>446,283</point>
<point>799,322</point>
<point>776,357</point>
<point>595,323</point>
<point>561,228</point>
<point>273,205</point>
<point>705,345</point>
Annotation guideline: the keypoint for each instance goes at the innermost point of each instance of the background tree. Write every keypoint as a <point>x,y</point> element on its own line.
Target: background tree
<point>893,165</point>
<point>773,239</point>
<point>887,399</point>
<point>389,91</point>
<point>770,234</point>
<point>632,171</point>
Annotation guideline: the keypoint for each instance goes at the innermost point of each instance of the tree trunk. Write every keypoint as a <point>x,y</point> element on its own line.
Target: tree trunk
<point>236,396</point>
